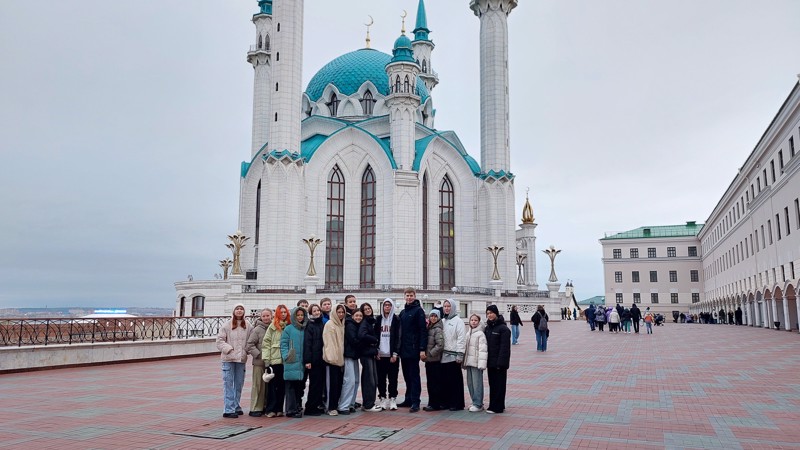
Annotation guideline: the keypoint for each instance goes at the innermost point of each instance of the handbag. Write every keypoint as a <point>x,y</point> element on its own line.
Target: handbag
<point>268,374</point>
<point>292,355</point>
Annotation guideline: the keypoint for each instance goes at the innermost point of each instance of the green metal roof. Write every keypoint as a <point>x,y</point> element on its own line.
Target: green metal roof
<point>685,230</point>
<point>597,300</point>
<point>349,71</point>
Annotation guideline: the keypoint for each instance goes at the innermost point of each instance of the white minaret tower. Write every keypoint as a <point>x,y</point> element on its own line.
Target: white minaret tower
<point>403,101</point>
<point>259,57</point>
<point>526,245</point>
<point>423,48</point>
<point>495,148</point>
<point>287,75</point>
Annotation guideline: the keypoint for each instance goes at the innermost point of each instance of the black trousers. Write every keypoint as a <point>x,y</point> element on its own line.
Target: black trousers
<point>635,326</point>
<point>433,374</point>
<point>335,380</point>
<point>497,389</point>
<point>316,386</point>
<point>294,395</point>
<point>387,369</point>
<point>277,390</point>
<point>413,383</point>
<point>369,381</point>
<point>452,385</point>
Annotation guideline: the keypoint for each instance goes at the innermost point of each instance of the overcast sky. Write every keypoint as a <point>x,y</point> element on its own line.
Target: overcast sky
<point>123,124</point>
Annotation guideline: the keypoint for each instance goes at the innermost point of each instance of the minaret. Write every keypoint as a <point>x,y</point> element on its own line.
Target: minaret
<point>259,57</point>
<point>493,14</point>
<point>403,101</point>
<point>287,75</point>
<point>526,238</point>
<point>423,48</point>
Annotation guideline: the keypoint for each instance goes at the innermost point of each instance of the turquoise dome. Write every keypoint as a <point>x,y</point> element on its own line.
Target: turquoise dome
<point>349,71</point>
<point>403,42</point>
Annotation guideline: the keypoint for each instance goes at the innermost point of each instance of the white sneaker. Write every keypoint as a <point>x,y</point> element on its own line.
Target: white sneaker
<point>474,408</point>
<point>393,404</point>
<point>383,402</point>
<point>333,412</point>
<point>375,408</point>
<point>489,411</point>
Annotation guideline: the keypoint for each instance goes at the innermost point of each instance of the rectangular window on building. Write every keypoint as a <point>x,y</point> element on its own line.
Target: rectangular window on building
<point>692,251</point>
<point>671,252</point>
<point>673,298</point>
<point>618,277</point>
<point>791,144</point>
<point>778,225</point>
<point>694,275</point>
<point>769,225</point>
<point>797,212</point>
<point>772,170</point>
<point>791,269</point>
<point>619,297</point>
<point>786,216</point>
<point>783,273</point>
<point>695,297</point>
<point>653,276</point>
<point>634,253</point>
<point>651,252</point>
<point>765,178</point>
<point>654,298</point>
<point>617,253</point>
<point>780,159</point>
<point>635,276</point>
<point>637,297</point>
<point>673,276</point>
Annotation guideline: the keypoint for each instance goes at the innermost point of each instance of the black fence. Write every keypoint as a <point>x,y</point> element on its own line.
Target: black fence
<point>27,332</point>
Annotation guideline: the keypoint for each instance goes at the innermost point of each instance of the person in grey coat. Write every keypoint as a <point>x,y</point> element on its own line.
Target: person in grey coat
<point>258,391</point>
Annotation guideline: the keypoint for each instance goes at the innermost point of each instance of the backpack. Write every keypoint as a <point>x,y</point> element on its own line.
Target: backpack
<point>542,323</point>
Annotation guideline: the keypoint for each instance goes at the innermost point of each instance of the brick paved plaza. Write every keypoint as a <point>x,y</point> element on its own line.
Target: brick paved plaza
<point>686,386</point>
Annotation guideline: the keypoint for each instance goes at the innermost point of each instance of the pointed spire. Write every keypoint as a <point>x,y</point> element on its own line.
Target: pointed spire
<point>421,29</point>
<point>371,22</point>
<point>527,210</point>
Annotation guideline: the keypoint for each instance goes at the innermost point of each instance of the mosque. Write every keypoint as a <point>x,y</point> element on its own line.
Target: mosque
<point>350,187</point>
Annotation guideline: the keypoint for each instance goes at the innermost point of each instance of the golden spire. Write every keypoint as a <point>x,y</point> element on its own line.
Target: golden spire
<point>371,21</point>
<point>527,210</point>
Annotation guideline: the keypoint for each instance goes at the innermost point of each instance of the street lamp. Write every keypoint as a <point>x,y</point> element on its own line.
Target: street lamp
<point>495,251</point>
<point>312,243</point>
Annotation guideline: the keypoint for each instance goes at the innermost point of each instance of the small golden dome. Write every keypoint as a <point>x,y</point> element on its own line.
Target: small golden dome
<point>527,211</point>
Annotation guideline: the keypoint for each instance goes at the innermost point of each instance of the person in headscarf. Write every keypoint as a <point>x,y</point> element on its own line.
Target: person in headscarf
<point>333,355</point>
<point>294,372</point>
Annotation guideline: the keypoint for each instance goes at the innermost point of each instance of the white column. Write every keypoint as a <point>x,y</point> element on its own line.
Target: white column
<point>786,325</point>
<point>287,72</point>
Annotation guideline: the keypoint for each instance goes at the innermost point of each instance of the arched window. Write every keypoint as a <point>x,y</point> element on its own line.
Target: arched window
<point>406,85</point>
<point>397,84</point>
<point>260,42</point>
<point>266,42</point>
<point>183,307</point>
<point>447,251</point>
<point>425,231</point>
<point>367,103</point>
<point>333,105</point>
<point>424,66</point>
<point>368,204</point>
<point>334,230</point>
<point>258,211</point>
<point>198,306</point>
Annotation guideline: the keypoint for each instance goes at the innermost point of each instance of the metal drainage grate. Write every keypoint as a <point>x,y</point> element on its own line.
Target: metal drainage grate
<point>357,432</point>
<point>215,431</point>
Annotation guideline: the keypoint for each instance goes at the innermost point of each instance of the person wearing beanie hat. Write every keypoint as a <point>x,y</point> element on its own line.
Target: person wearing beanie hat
<point>232,343</point>
<point>433,365</point>
<point>498,343</point>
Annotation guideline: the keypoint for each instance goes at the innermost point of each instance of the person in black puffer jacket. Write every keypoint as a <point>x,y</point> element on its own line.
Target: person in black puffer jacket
<point>498,340</point>
<point>368,343</point>
<point>315,366</point>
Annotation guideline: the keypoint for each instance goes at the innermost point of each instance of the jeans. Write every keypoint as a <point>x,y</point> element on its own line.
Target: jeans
<point>413,383</point>
<point>350,384</point>
<point>475,384</point>
<point>387,369</point>
<point>649,327</point>
<point>591,324</point>
<point>626,326</point>
<point>369,381</point>
<point>514,334</point>
<point>232,382</point>
<point>541,340</point>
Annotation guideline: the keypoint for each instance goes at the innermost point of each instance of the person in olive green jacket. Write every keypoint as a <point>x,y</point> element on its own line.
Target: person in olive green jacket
<point>271,353</point>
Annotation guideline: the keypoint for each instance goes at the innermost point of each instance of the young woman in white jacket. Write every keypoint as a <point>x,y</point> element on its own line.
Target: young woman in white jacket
<point>232,343</point>
<point>455,340</point>
<point>475,355</point>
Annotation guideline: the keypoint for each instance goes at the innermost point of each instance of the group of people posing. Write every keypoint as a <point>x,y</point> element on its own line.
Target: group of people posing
<point>339,349</point>
<point>619,318</point>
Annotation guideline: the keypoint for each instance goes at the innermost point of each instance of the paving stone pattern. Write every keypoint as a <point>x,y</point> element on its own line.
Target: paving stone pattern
<point>685,386</point>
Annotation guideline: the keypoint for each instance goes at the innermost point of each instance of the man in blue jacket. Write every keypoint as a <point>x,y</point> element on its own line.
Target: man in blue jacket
<point>413,342</point>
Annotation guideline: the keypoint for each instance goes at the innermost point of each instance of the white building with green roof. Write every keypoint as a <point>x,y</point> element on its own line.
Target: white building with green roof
<point>654,266</point>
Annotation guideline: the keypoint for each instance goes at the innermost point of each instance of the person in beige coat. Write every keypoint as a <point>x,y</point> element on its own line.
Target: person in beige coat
<point>231,342</point>
<point>475,356</point>
<point>258,390</point>
<point>333,355</point>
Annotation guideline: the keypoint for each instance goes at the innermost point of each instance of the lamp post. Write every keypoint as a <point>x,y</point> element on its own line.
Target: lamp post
<point>520,264</point>
<point>237,242</point>
<point>495,251</point>
<point>225,264</point>
<point>552,253</point>
<point>312,243</point>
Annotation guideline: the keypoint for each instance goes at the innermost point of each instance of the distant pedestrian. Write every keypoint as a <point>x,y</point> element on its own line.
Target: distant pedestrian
<point>590,316</point>
<point>600,317</point>
<point>231,342</point>
<point>498,343</point>
<point>636,317</point>
<point>516,322</point>
<point>648,322</point>
<point>541,327</point>
<point>738,315</point>
<point>613,321</point>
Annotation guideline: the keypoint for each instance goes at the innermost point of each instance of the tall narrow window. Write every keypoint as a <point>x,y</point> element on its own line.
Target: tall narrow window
<point>788,224</point>
<point>397,84</point>
<point>424,66</point>
<point>258,211</point>
<point>425,231</point>
<point>772,170</point>
<point>260,42</point>
<point>797,212</point>
<point>334,230</point>
<point>266,42</point>
<point>333,105</point>
<point>778,225</point>
<point>368,203</point>
<point>791,145</point>
<point>183,307</point>
<point>780,158</point>
<point>447,251</point>
<point>198,306</point>
<point>367,103</point>
<point>406,85</point>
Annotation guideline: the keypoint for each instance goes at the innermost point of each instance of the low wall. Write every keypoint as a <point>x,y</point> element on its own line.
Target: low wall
<point>39,357</point>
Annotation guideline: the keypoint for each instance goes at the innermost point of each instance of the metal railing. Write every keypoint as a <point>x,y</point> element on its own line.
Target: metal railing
<point>27,332</point>
<point>396,288</point>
